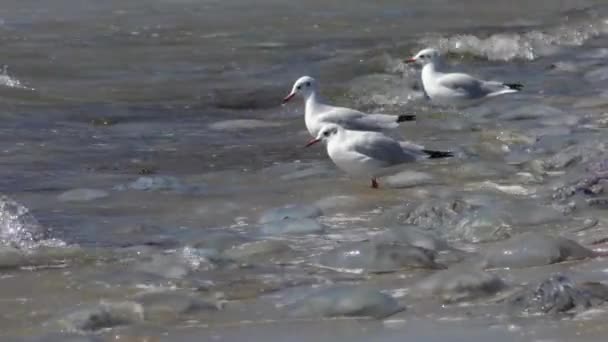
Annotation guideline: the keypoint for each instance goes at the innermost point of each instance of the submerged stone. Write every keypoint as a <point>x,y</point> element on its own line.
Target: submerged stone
<point>82,195</point>
<point>102,316</point>
<point>459,283</point>
<point>347,301</point>
<point>533,249</point>
<point>378,257</point>
<point>557,294</point>
<point>170,306</point>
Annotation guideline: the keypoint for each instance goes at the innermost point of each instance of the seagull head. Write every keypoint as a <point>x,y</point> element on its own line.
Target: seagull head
<point>325,134</point>
<point>425,56</point>
<point>304,86</point>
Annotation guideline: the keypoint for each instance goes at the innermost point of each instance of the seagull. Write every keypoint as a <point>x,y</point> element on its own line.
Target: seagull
<point>370,154</point>
<point>317,113</point>
<point>456,89</point>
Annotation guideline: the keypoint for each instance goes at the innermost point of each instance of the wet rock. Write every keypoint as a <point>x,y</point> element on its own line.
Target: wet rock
<point>587,186</point>
<point>155,183</point>
<point>406,179</point>
<point>258,249</point>
<point>557,294</point>
<point>533,249</point>
<point>102,316</point>
<point>413,236</point>
<point>468,220</point>
<point>17,225</point>
<point>290,212</point>
<point>170,306</point>
<point>589,152</point>
<point>82,195</point>
<point>347,301</point>
<point>459,283</point>
<point>482,225</point>
<point>292,226</point>
<point>536,111</point>
<point>435,213</point>
<point>375,257</point>
<point>233,125</point>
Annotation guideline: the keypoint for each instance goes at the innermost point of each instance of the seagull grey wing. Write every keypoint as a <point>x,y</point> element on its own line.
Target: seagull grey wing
<point>386,151</point>
<point>466,85</point>
<point>355,120</point>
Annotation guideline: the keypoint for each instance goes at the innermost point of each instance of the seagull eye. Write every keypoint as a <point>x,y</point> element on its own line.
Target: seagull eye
<point>299,87</point>
<point>326,133</point>
<point>308,84</point>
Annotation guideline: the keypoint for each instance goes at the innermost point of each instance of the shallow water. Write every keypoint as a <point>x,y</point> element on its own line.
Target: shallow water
<point>145,140</point>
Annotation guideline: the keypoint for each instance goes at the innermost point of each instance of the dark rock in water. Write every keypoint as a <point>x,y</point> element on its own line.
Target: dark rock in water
<point>102,316</point>
<point>292,226</point>
<point>588,152</point>
<point>347,301</point>
<point>431,214</point>
<point>458,283</point>
<point>290,212</point>
<point>378,257</point>
<point>18,226</point>
<point>558,294</point>
<point>587,186</point>
<point>533,249</point>
<point>82,195</point>
<point>413,236</point>
<point>258,249</point>
<point>454,218</point>
<point>170,306</point>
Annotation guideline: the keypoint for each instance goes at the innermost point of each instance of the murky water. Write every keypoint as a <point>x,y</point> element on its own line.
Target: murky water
<point>145,152</point>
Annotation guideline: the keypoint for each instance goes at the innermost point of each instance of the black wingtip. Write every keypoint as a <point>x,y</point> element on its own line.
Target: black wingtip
<point>406,117</point>
<point>438,154</point>
<point>515,86</point>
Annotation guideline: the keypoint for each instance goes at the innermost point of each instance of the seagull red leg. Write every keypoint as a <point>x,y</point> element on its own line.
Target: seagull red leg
<point>374,183</point>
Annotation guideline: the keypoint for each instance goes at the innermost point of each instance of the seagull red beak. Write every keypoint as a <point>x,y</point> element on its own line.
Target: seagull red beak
<point>288,97</point>
<point>410,60</point>
<point>312,142</point>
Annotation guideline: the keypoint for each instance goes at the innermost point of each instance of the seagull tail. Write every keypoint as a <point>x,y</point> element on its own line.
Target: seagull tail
<point>514,86</point>
<point>406,117</point>
<point>438,154</point>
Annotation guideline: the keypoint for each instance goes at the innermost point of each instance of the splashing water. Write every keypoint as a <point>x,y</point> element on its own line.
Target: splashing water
<point>7,81</point>
<point>18,227</point>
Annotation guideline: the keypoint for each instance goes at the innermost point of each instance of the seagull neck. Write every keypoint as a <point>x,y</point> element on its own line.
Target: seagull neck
<point>311,101</point>
<point>430,71</point>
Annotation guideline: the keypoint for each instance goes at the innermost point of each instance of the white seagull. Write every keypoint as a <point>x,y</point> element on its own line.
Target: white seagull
<point>456,89</point>
<point>370,154</point>
<point>317,113</point>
